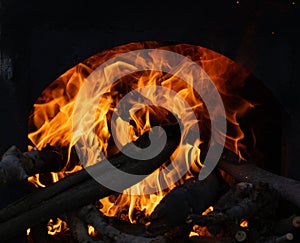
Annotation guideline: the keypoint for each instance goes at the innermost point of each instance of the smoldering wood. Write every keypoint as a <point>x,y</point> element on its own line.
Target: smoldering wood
<point>16,167</point>
<point>256,203</point>
<point>193,196</point>
<point>248,200</point>
<point>79,189</point>
<point>287,188</point>
<point>79,229</point>
<point>91,215</point>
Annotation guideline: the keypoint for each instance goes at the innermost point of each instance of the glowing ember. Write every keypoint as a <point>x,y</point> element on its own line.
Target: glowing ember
<point>51,122</point>
<point>91,230</point>
<point>56,226</point>
<point>244,223</point>
<point>208,210</point>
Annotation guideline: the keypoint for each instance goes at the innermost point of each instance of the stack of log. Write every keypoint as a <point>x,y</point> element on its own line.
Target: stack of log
<point>247,193</point>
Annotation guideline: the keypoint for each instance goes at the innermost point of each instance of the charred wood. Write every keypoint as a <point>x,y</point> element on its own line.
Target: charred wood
<point>79,229</point>
<point>193,196</point>
<point>91,215</point>
<point>287,188</point>
<point>16,167</point>
<point>79,189</point>
<point>255,203</point>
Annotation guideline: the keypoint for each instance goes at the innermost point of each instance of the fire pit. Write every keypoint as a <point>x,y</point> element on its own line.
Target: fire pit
<point>183,192</point>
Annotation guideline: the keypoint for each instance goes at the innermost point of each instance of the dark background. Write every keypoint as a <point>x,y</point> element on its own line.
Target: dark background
<point>40,40</point>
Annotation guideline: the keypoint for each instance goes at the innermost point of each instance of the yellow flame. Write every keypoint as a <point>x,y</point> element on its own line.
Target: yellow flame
<point>208,210</point>
<point>91,230</point>
<point>192,233</point>
<point>244,223</point>
<point>51,121</point>
<point>56,226</point>
<point>35,180</point>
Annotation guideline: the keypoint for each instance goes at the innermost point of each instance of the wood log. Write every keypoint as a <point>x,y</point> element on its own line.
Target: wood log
<point>79,229</point>
<point>91,215</point>
<point>193,196</point>
<point>15,166</point>
<point>287,188</point>
<point>79,189</point>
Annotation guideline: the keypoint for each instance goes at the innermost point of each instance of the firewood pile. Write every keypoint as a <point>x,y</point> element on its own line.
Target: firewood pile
<point>238,202</point>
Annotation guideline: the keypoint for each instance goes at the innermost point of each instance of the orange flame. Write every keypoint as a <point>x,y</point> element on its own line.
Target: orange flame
<point>51,120</point>
<point>244,223</point>
<point>56,226</point>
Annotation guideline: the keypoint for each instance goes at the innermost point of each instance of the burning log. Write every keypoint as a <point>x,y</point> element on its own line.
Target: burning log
<point>287,188</point>
<point>243,201</point>
<point>79,188</point>
<point>91,215</point>
<point>79,229</point>
<point>193,196</point>
<point>16,166</point>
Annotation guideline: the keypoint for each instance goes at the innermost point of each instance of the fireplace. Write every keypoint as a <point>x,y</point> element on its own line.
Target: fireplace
<point>48,49</point>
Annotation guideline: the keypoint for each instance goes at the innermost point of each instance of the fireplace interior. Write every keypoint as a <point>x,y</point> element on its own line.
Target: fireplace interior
<point>40,42</point>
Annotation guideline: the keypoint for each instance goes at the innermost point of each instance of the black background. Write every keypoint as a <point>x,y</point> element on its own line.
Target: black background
<point>40,40</point>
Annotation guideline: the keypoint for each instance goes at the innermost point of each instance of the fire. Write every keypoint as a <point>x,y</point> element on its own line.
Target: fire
<point>56,226</point>
<point>208,210</point>
<point>244,223</point>
<point>91,230</point>
<point>52,121</point>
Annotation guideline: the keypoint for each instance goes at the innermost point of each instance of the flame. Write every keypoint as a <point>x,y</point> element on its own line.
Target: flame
<point>244,223</point>
<point>56,226</point>
<point>51,121</point>
<point>208,210</point>
<point>91,230</point>
<point>35,180</point>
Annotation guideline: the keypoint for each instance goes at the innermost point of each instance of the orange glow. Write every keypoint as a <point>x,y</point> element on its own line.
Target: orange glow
<point>51,120</point>
<point>35,180</point>
<point>208,210</point>
<point>56,226</point>
<point>192,233</point>
<point>200,231</point>
<point>244,223</point>
<point>91,230</point>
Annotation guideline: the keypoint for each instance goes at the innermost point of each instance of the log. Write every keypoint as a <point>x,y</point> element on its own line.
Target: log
<point>16,167</point>
<point>255,203</point>
<point>79,189</point>
<point>193,196</point>
<point>79,229</point>
<point>89,214</point>
<point>287,188</point>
